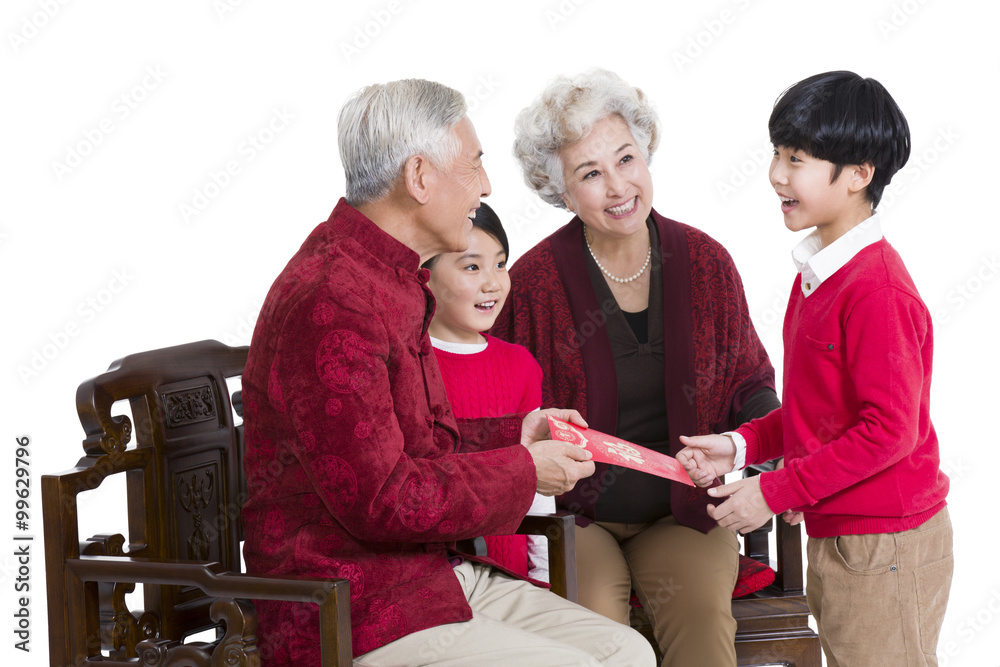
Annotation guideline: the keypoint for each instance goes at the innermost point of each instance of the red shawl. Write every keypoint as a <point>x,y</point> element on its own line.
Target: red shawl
<point>714,360</point>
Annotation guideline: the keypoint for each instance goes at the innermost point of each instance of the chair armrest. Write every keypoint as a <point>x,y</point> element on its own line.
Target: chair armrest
<point>766,466</point>
<point>559,530</point>
<point>332,595</point>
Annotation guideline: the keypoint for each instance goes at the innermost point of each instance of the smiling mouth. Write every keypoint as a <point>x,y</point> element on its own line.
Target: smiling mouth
<point>623,209</point>
<point>787,203</point>
<point>485,306</point>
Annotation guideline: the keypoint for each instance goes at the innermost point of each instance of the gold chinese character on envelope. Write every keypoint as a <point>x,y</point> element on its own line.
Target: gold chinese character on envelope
<point>608,449</point>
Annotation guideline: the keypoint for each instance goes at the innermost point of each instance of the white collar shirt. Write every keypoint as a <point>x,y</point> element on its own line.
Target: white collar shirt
<point>817,264</point>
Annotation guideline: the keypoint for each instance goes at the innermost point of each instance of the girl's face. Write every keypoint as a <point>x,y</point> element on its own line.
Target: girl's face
<point>470,288</point>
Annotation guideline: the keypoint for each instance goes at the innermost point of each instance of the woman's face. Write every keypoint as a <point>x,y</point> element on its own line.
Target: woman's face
<point>607,180</point>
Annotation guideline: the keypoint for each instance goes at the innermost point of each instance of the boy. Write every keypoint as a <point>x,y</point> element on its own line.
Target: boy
<point>861,456</point>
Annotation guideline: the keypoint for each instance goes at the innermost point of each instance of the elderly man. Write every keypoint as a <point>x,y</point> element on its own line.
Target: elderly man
<point>355,465</point>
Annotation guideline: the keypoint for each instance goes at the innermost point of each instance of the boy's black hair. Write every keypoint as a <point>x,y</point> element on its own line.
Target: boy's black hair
<point>487,220</point>
<point>845,119</point>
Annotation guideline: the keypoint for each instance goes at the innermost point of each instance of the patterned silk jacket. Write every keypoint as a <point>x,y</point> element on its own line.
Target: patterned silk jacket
<point>355,465</point>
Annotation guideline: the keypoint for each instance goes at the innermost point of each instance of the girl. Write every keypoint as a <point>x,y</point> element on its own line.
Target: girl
<point>485,376</point>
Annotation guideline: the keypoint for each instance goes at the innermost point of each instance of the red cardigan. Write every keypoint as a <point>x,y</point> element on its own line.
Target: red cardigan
<point>354,463</point>
<point>861,454</point>
<point>714,360</point>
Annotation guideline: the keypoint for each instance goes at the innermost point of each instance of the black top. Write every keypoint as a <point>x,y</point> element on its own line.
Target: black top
<point>630,496</point>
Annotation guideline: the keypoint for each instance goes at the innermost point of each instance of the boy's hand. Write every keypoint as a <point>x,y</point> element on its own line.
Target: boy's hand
<point>706,457</point>
<point>745,510</point>
<point>791,518</point>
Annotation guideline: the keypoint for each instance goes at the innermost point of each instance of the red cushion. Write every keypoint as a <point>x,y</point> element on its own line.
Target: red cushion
<point>753,576</point>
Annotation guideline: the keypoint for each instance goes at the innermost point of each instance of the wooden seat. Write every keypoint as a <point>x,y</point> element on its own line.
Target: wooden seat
<point>772,624</point>
<point>184,492</point>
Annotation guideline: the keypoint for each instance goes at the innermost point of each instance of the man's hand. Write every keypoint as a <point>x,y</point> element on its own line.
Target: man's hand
<point>745,510</point>
<point>535,426</point>
<point>559,465</point>
<point>706,457</point>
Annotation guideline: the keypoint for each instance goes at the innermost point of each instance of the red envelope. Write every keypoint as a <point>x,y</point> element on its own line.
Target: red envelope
<point>609,449</point>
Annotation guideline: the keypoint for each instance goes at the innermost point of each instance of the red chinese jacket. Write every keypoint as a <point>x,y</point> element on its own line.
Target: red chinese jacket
<point>355,465</point>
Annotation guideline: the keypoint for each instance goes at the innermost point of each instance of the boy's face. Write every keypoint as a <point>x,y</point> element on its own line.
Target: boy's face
<point>808,198</point>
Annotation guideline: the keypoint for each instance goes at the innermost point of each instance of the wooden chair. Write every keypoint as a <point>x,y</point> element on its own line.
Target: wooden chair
<point>184,491</point>
<point>772,624</point>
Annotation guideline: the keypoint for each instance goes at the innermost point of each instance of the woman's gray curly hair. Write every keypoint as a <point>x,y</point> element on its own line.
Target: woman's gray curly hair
<point>565,112</point>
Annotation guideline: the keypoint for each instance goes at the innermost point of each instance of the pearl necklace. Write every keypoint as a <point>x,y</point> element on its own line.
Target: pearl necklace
<point>620,281</point>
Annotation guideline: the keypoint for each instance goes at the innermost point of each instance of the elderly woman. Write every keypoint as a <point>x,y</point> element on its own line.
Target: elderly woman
<point>640,323</point>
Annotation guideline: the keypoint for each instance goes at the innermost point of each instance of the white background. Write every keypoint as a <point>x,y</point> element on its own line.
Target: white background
<point>116,115</point>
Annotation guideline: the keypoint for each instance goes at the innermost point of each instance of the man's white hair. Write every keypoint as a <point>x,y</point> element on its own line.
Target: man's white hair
<point>385,124</point>
<point>567,111</point>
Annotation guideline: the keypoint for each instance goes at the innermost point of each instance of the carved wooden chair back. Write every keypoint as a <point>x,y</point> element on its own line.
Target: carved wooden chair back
<point>185,487</point>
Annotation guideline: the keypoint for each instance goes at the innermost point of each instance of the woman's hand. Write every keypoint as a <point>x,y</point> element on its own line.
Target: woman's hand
<point>706,457</point>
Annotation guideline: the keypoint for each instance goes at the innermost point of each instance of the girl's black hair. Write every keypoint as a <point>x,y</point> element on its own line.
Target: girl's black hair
<point>487,220</point>
<point>845,119</point>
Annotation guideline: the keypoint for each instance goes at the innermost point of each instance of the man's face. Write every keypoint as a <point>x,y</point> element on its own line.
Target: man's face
<point>456,190</point>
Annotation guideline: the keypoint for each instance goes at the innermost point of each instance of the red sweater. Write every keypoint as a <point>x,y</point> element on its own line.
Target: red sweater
<point>501,380</point>
<point>861,455</point>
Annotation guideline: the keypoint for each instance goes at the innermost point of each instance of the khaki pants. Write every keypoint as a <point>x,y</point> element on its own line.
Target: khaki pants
<point>683,578</point>
<point>880,599</point>
<point>516,623</point>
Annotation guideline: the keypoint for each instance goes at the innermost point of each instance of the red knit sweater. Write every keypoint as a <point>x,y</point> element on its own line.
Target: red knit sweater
<point>501,380</point>
<point>861,455</point>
